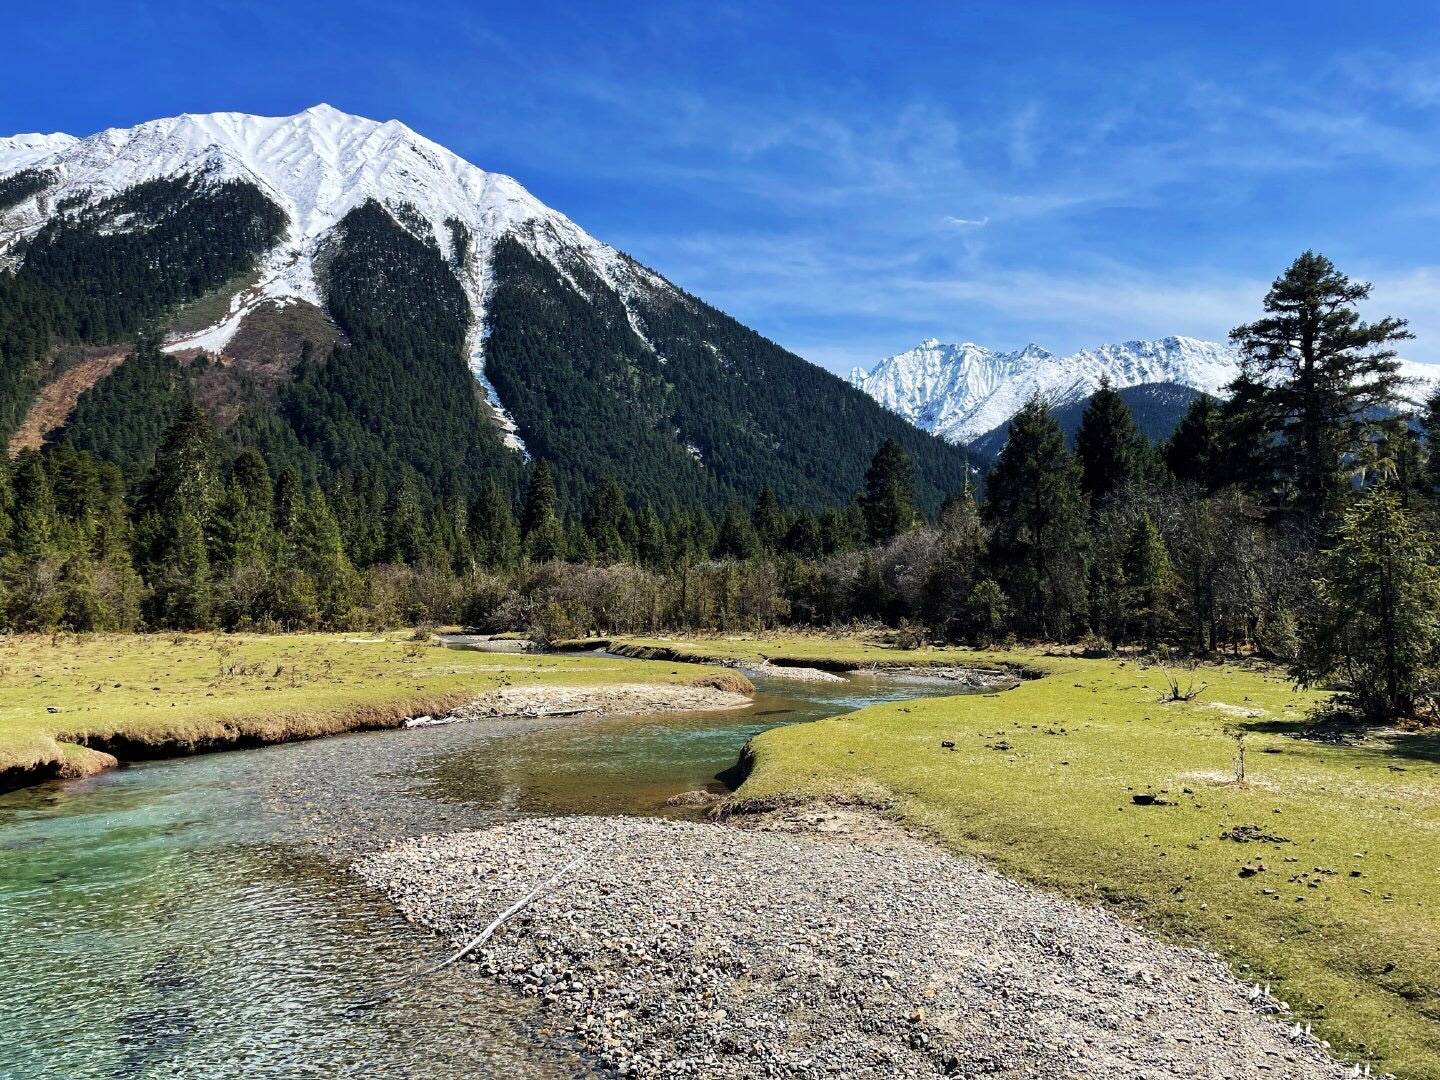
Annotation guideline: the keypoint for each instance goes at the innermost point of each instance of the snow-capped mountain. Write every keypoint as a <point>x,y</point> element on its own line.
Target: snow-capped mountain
<point>257,242</point>
<point>317,166</point>
<point>962,391</point>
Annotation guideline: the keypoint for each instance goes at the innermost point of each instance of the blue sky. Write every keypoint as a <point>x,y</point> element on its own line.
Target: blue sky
<point>849,178</point>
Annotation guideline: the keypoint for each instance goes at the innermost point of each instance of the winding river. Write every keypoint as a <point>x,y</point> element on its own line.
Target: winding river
<point>193,918</point>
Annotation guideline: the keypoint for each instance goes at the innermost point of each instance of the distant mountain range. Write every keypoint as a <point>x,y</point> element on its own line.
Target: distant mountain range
<point>967,393</point>
<point>354,298</point>
<point>964,391</point>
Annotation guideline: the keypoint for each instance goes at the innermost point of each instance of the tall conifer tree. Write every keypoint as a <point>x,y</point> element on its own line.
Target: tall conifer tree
<point>1313,377</point>
<point>1035,510</point>
<point>888,498</point>
<point>1112,451</point>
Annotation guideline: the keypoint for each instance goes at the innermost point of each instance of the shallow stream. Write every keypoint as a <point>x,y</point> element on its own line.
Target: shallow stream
<point>193,918</point>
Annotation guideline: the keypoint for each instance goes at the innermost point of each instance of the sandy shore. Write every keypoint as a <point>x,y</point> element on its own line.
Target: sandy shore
<point>829,944</point>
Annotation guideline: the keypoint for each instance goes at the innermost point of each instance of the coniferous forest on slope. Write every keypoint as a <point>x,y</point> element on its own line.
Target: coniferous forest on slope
<point>81,280</point>
<point>708,411</point>
<point>685,472</point>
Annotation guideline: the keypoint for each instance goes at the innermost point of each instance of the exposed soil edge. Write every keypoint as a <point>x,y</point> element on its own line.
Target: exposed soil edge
<point>80,755</point>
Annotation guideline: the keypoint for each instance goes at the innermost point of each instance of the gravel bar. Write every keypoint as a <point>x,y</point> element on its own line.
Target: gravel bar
<point>829,944</point>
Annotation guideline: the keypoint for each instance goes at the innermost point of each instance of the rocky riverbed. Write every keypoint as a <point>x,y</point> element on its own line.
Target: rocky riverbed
<point>828,944</point>
<point>709,694</point>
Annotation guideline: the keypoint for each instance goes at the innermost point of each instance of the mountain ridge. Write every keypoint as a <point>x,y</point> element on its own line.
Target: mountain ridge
<point>964,391</point>
<point>317,166</point>
<point>686,402</point>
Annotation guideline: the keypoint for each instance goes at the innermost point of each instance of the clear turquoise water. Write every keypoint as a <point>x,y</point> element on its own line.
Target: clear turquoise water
<point>194,919</point>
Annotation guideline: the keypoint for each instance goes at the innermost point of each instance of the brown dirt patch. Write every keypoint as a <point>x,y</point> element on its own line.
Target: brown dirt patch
<point>82,367</point>
<point>260,359</point>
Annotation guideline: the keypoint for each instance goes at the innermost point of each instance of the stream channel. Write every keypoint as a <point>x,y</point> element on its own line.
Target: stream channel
<point>193,918</point>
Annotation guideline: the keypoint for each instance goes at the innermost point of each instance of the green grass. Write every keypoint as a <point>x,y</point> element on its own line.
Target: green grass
<point>1040,782</point>
<point>177,693</point>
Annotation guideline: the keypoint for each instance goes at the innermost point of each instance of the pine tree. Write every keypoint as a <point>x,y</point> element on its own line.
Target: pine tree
<point>955,572</point>
<point>35,521</point>
<point>736,538</point>
<point>804,539</point>
<point>769,520</point>
<point>289,497</point>
<point>82,609</point>
<point>177,504</point>
<point>7,503</point>
<point>1112,450</point>
<point>652,549</point>
<point>540,522</point>
<point>494,536</point>
<point>1314,376</point>
<point>1035,510</point>
<point>888,499</point>
<point>1149,584</point>
<point>605,521</point>
<point>405,534</point>
<point>1377,623</point>
<point>541,501</point>
<point>1430,424</point>
<point>842,530</point>
<point>245,519</point>
<point>1195,450</point>
<point>319,554</point>
<point>180,576</point>
<point>579,547</point>
<point>547,540</point>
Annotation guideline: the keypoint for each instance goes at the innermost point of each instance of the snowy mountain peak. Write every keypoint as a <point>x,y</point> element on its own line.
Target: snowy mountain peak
<point>961,391</point>
<point>317,166</point>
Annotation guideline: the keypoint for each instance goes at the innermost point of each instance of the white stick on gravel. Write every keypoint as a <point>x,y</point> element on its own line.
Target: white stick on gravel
<point>506,915</point>
<point>500,920</point>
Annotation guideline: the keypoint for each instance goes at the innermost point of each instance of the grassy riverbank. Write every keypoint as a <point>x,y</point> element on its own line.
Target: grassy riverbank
<point>826,651</point>
<point>142,695</point>
<point>1335,903</point>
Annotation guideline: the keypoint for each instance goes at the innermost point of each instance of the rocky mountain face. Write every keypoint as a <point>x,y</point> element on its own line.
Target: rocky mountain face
<point>351,297</point>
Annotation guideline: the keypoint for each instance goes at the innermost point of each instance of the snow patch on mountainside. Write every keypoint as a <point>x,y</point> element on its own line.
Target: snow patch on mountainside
<point>317,166</point>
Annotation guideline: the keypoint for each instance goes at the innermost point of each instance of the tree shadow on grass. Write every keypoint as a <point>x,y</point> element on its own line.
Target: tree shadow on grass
<point>1354,737</point>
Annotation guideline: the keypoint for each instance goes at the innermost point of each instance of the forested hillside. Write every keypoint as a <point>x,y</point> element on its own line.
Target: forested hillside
<point>1297,519</point>
<point>87,277</point>
<point>398,397</point>
<point>1156,407</point>
<point>699,409</point>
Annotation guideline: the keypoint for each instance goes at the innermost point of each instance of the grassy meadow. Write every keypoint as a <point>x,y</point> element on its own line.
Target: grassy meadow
<point>162,693</point>
<point>1319,873</point>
